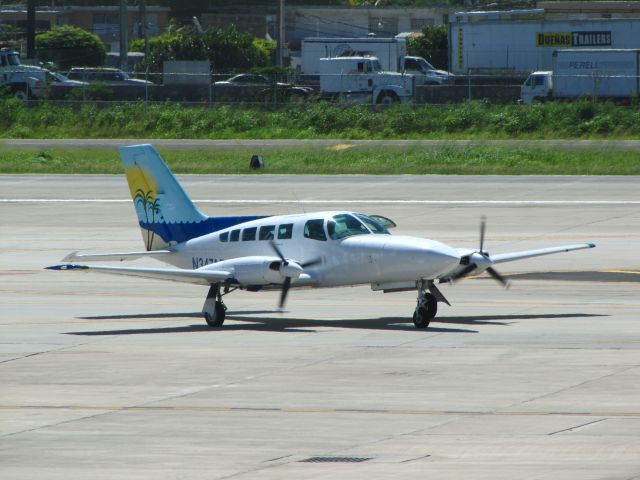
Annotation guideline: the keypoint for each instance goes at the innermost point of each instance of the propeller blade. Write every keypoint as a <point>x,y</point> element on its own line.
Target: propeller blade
<point>285,291</point>
<point>483,226</point>
<point>311,263</point>
<point>278,252</point>
<point>464,272</point>
<point>499,278</point>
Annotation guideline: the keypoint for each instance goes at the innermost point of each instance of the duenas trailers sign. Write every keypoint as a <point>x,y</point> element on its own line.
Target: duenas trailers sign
<point>573,39</point>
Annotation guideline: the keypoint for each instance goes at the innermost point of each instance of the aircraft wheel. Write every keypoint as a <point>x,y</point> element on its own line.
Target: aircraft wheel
<point>216,317</point>
<point>426,311</point>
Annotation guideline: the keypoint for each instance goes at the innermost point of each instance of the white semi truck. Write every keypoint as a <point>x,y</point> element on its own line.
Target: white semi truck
<point>362,80</point>
<point>602,73</point>
<point>390,52</point>
<point>22,81</point>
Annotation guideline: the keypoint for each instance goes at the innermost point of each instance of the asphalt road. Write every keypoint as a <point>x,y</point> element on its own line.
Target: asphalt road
<point>107,378</point>
<point>567,145</point>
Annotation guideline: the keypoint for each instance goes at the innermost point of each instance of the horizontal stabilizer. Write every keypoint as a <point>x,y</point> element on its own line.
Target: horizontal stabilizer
<point>510,257</point>
<point>121,256</point>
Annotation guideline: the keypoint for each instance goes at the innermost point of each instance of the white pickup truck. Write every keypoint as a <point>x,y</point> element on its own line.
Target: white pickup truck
<point>361,80</point>
<point>24,81</point>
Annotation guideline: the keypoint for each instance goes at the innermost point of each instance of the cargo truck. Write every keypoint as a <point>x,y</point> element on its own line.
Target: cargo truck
<point>601,73</point>
<point>22,81</point>
<point>362,80</point>
<point>390,52</point>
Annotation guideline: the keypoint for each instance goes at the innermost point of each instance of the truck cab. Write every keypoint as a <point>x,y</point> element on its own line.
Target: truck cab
<point>538,86</point>
<point>426,74</point>
<point>361,80</point>
<point>24,81</point>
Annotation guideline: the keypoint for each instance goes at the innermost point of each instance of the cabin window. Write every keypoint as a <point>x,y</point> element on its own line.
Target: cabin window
<point>285,231</point>
<point>361,67</point>
<point>235,235</point>
<point>314,229</point>
<point>224,236</point>
<point>249,234</point>
<point>344,225</point>
<point>266,232</point>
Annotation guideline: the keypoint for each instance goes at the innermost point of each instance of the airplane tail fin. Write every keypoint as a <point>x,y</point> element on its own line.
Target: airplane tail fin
<point>166,214</point>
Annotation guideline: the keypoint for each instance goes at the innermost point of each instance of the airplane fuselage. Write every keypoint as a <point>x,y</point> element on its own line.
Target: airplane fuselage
<point>349,251</point>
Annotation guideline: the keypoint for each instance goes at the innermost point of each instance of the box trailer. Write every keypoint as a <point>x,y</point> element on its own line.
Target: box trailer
<point>522,41</point>
<point>610,73</point>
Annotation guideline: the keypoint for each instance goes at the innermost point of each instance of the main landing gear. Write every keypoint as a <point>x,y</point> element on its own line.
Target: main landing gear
<point>427,306</point>
<point>214,309</point>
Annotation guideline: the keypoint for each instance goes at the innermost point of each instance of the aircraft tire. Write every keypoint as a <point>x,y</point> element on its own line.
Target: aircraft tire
<point>423,315</point>
<point>217,319</point>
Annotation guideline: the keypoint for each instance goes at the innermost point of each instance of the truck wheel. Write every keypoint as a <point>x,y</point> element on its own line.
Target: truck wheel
<point>387,98</point>
<point>21,94</point>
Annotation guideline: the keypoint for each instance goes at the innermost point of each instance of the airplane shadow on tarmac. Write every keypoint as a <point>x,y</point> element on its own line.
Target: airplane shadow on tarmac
<point>292,325</point>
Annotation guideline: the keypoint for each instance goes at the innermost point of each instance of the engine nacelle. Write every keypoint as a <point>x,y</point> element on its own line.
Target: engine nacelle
<point>258,270</point>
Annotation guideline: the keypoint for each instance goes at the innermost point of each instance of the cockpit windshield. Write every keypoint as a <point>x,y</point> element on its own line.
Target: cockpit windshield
<point>374,225</point>
<point>344,225</point>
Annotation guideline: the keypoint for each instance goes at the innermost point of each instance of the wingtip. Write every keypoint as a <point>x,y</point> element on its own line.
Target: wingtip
<point>591,245</point>
<point>67,266</point>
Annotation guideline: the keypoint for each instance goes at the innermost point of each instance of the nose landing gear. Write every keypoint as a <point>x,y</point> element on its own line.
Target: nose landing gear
<point>427,306</point>
<point>426,309</point>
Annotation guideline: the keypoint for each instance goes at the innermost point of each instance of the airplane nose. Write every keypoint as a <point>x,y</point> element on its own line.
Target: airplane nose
<point>421,258</point>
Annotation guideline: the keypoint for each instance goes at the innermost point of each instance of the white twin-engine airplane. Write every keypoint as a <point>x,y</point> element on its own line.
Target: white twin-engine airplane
<point>317,250</point>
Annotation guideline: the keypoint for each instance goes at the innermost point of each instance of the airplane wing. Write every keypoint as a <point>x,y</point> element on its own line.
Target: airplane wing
<point>199,277</point>
<point>121,256</point>
<point>510,257</point>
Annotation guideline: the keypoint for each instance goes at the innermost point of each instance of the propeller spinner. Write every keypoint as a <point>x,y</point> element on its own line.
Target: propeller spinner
<point>480,261</point>
<point>289,269</point>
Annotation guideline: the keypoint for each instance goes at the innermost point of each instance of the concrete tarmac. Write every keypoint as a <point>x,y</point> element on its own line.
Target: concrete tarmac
<point>106,377</point>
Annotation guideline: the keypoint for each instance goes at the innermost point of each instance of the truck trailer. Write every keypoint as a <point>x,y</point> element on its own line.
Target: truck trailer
<point>390,52</point>
<point>610,73</point>
<point>516,43</point>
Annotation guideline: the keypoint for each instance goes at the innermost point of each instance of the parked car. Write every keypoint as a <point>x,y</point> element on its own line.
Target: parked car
<point>251,87</point>
<point>107,76</point>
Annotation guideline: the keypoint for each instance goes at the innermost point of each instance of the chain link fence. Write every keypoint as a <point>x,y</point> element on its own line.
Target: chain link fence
<point>106,86</point>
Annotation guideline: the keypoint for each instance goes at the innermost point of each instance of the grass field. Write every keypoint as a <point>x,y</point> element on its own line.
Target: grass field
<point>475,120</point>
<point>356,160</point>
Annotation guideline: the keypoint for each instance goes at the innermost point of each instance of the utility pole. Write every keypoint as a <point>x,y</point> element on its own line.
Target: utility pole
<point>31,29</point>
<point>143,32</point>
<point>281,33</point>
<point>124,25</point>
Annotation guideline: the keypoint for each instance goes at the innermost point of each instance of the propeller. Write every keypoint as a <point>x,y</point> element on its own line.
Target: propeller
<point>290,266</point>
<point>471,266</point>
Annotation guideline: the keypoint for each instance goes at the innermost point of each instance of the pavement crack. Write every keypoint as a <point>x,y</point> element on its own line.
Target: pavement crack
<point>571,429</point>
<point>565,389</point>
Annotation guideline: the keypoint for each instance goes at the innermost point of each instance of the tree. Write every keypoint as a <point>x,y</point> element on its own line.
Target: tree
<point>68,46</point>
<point>433,45</point>
<point>227,48</point>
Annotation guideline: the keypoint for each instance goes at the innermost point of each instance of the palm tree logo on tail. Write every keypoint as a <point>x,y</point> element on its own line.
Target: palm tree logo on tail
<point>151,207</point>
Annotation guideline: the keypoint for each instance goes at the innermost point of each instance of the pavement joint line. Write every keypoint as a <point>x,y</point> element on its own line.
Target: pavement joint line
<point>305,410</point>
